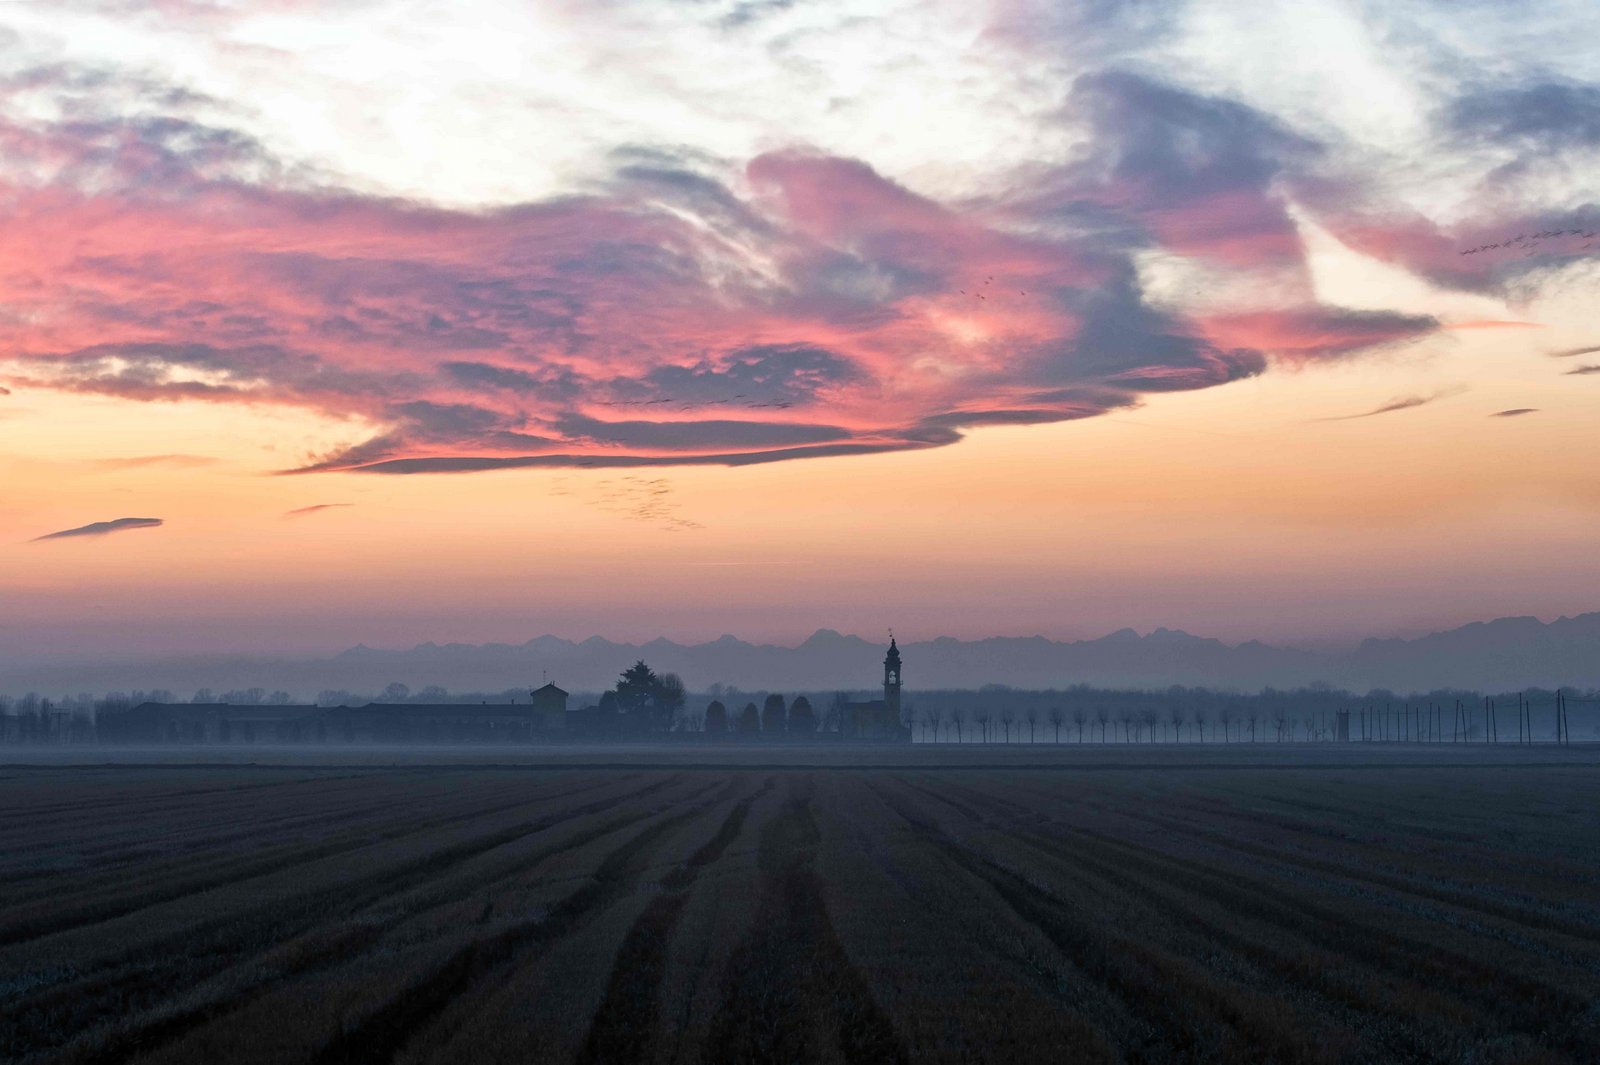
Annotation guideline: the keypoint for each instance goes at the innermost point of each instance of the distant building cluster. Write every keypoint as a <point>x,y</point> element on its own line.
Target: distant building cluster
<point>643,705</point>
<point>544,716</point>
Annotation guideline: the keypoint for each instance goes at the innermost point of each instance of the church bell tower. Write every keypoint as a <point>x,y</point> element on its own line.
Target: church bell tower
<point>891,680</point>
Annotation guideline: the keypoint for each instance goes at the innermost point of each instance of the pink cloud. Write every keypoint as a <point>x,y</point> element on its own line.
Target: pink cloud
<point>665,317</point>
<point>1313,332</point>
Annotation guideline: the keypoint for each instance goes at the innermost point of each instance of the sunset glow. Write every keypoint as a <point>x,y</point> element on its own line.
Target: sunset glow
<point>477,321</point>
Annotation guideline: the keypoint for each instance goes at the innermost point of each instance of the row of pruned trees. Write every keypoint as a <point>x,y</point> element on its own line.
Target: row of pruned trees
<point>1197,715</point>
<point>1104,724</point>
<point>776,717</point>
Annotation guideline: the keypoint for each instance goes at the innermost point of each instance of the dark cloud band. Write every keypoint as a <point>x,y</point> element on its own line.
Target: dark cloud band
<point>102,528</point>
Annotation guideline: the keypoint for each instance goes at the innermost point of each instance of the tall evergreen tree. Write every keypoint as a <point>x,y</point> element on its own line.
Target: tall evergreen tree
<point>774,717</point>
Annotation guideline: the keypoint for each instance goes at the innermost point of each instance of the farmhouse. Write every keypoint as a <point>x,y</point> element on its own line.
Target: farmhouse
<point>213,723</point>
<point>543,717</point>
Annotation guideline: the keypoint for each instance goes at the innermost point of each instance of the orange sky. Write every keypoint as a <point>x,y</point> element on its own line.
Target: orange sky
<point>988,319</point>
<point>1229,512</point>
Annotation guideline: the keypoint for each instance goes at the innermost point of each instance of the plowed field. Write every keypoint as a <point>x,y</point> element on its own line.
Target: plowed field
<point>1228,913</point>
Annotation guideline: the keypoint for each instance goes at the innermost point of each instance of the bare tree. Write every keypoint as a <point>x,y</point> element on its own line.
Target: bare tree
<point>981,719</point>
<point>1032,718</point>
<point>1056,718</point>
<point>1078,718</point>
<point>837,709</point>
<point>1200,724</point>
<point>958,721</point>
<point>1102,718</point>
<point>1006,718</point>
<point>668,700</point>
<point>1176,716</point>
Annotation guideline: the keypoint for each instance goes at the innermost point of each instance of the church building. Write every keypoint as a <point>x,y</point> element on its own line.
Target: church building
<point>879,719</point>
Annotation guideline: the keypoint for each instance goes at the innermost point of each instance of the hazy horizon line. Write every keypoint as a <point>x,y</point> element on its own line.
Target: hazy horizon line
<point>1326,645</point>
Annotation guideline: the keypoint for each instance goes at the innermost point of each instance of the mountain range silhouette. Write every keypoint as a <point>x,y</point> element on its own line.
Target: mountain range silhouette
<point>1501,655</point>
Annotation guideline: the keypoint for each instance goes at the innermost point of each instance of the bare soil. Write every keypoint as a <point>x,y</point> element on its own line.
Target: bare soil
<point>1276,905</point>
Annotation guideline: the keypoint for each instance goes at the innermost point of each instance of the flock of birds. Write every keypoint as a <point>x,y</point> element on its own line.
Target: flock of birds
<point>1530,242</point>
<point>642,499</point>
<point>987,281</point>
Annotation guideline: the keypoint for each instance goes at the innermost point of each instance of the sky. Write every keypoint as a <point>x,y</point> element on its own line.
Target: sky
<point>383,322</point>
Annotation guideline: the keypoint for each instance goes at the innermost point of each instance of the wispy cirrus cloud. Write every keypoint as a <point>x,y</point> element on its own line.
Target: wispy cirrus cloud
<point>1514,412</point>
<point>315,508</point>
<point>177,461</point>
<point>102,528</point>
<point>1397,404</point>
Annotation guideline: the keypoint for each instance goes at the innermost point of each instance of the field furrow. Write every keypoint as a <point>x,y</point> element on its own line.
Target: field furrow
<point>938,908</point>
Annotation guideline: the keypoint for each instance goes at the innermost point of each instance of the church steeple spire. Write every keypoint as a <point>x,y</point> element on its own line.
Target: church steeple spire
<point>891,678</point>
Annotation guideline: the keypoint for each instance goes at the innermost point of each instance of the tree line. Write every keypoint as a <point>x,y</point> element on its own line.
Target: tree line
<point>644,703</point>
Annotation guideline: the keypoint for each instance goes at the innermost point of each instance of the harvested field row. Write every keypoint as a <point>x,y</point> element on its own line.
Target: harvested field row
<point>1163,914</point>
